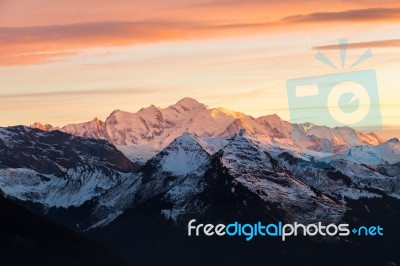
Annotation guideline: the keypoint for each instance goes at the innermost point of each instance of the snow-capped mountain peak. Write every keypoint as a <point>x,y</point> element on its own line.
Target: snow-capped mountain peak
<point>152,128</point>
<point>44,127</point>
<point>58,169</point>
<point>184,155</point>
<point>95,129</point>
<point>386,152</point>
<point>190,104</point>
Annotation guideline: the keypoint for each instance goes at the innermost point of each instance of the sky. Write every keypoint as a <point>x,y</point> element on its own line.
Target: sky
<point>65,62</point>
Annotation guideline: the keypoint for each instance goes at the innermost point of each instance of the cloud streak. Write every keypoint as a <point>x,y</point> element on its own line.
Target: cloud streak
<point>361,45</point>
<point>81,93</point>
<point>41,44</point>
<point>31,45</point>
<point>369,14</point>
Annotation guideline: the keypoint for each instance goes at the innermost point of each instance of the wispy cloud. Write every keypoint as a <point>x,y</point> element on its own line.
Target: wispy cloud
<point>41,95</point>
<point>360,45</point>
<point>31,45</point>
<point>39,44</point>
<point>369,14</point>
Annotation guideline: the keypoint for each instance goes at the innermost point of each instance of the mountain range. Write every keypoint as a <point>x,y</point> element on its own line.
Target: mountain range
<point>166,166</point>
<point>143,134</point>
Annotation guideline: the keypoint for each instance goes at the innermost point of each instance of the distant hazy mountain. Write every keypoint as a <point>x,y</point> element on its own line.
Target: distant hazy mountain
<point>141,135</point>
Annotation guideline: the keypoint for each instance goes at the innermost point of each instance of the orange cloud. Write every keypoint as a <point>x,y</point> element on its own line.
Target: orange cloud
<point>132,91</point>
<point>359,45</point>
<point>369,14</point>
<point>39,44</point>
<point>31,45</point>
